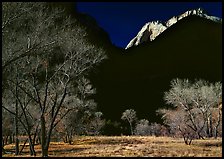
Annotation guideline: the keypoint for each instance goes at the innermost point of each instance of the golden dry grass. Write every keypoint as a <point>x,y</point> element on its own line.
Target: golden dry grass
<point>132,146</point>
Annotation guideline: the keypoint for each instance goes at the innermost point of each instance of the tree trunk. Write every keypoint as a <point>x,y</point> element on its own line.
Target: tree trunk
<point>207,126</point>
<point>3,142</point>
<point>200,136</point>
<point>45,151</point>
<point>32,150</point>
<point>44,147</point>
<point>13,138</point>
<point>16,130</point>
<point>187,140</point>
<point>17,146</point>
<point>38,139</point>
<point>190,141</point>
<point>65,138</point>
<point>3,150</point>
<point>70,138</point>
<point>23,146</point>
<point>131,128</point>
<point>6,139</point>
<point>217,125</point>
<point>215,133</point>
<point>211,125</point>
<point>10,138</point>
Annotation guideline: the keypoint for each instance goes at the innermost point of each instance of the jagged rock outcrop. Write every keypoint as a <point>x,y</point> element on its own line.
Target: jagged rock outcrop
<point>148,32</point>
<point>152,29</point>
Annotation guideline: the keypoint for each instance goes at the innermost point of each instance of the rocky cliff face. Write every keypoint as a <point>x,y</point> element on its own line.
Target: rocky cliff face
<point>152,29</point>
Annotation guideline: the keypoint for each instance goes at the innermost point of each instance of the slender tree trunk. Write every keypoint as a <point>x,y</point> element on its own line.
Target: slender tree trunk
<point>36,134</point>
<point>217,125</point>
<point>131,128</point>
<point>70,138</point>
<point>23,146</point>
<point>211,129</point>
<point>17,145</point>
<point>10,138</point>
<point>13,138</point>
<point>215,133</point>
<point>16,121</point>
<point>3,144</point>
<point>16,130</point>
<point>6,139</point>
<point>190,141</point>
<point>65,138</point>
<point>207,126</point>
<point>39,138</point>
<point>32,150</point>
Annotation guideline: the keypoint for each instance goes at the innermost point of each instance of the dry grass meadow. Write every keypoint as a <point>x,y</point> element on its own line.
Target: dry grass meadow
<point>128,146</point>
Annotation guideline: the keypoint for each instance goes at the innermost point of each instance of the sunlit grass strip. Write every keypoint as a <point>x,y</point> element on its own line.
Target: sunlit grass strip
<point>133,146</point>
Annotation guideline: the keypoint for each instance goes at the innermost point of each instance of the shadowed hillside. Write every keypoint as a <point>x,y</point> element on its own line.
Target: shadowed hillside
<point>137,77</point>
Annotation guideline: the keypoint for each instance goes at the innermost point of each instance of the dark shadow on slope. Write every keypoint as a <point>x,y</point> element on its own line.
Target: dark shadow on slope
<point>138,77</point>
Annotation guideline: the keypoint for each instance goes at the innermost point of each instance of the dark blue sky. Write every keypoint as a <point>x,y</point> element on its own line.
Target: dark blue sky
<point>123,20</point>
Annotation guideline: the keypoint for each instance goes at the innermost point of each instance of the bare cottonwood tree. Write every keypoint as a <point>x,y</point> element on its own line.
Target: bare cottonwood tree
<point>176,120</point>
<point>130,116</point>
<point>18,104</point>
<point>50,53</point>
<point>194,106</point>
<point>83,119</point>
<point>207,97</point>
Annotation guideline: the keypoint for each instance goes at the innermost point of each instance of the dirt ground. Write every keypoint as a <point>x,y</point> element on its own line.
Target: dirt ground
<point>127,146</point>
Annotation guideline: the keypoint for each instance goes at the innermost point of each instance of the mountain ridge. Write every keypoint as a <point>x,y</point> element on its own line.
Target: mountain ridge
<point>154,28</point>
